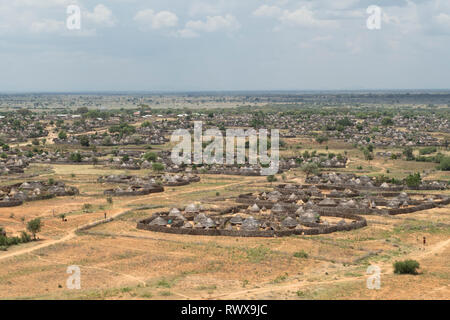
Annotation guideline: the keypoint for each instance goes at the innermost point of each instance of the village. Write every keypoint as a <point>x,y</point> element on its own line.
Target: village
<point>90,180</point>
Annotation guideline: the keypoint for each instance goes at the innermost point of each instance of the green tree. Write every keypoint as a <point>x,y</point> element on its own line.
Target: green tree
<point>157,166</point>
<point>150,156</point>
<point>62,135</point>
<point>408,153</point>
<point>75,157</point>
<point>413,180</point>
<point>367,154</point>
<point>34,226</point>
<point>321,139</point>
<point>310,168</point>
<point>387,121</point>
<point>84,141</point>
<point>444,164</point>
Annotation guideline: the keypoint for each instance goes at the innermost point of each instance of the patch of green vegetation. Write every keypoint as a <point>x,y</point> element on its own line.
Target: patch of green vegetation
<point>353,274</point>
<point>422,226</point>
<point>163,283</point>
<point>280,278</point>
<point>257,254</point>
<point>301,254</point>
<point>406,267</point>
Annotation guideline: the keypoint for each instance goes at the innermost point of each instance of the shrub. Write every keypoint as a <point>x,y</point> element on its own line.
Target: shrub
<point>321,139</point>
<point>75,157</point>
<point>157,166</point>
<point>387,121</point>
<point>3,241</point>
<point>62,135</point>
<point>408,153</point>
<point>427,150</point>
<point>164,284</point>
<point>13,241</point>
<point>406,267</point>
<point>25,237</point>
<point>271,178</point>
<point>87,207</point>
<point>413,180</point>
<point>301,254</point>
<point>444,164</point>
<point>84,141</point>
<point>150,156</point>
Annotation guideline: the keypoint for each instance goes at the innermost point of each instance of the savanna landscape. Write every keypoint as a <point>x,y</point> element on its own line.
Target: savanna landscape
<point>362,181</point>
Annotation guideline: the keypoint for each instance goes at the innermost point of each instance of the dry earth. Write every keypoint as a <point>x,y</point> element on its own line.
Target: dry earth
<point>117,261</point>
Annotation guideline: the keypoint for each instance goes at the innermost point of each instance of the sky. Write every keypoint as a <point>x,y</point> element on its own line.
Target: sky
<point>213,45</point>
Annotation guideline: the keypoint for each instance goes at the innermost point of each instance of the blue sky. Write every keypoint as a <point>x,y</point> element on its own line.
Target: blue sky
<point>195,45</point>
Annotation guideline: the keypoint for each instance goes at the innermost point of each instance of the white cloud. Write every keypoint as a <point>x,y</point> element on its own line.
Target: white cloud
<point>213,24</point>
<point>193,28</point>
<point>443,20</point>
<point>149,19</point>
<point>304,17</point>
<point>267,11</point>
<point>187,33</point>
<point>101,16</point>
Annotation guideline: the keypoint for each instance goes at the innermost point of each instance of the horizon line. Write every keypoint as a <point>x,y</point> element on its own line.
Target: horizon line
<point>63,92</point>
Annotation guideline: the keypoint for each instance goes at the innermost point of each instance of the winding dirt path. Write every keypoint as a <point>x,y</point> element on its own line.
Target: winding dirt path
<point>72,233</point>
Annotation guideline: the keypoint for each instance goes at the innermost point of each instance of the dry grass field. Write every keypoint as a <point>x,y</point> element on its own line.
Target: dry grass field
<point>118,261</point>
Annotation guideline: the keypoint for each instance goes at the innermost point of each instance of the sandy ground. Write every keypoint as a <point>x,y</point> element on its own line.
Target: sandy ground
<point>117,261</point>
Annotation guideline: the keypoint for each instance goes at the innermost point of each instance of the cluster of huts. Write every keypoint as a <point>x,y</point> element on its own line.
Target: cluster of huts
<point>133,185</point>
<point>21,129</point>
<point>156,137</point>
<point>290,209</point>
<point>328,179</point>
<point>13,164</point>
<point>163,179</point>
<point>240,220</point>
<point>16,194</point>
